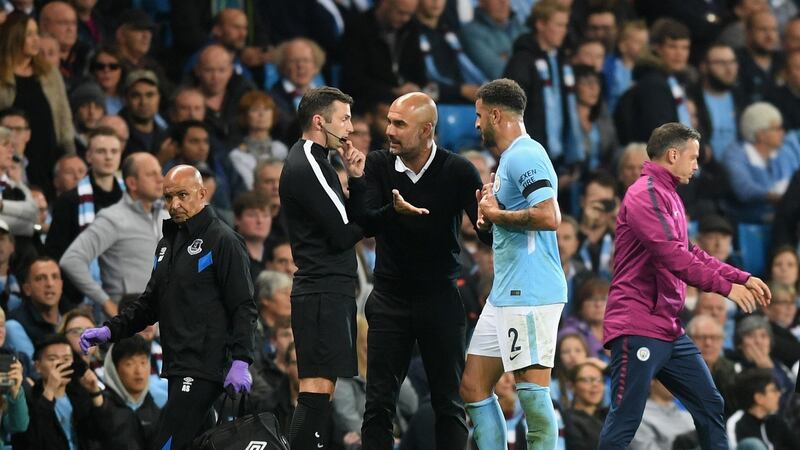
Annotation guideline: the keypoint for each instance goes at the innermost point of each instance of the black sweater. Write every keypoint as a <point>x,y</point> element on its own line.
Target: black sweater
<point>417,248</point>
<point>320,230</point>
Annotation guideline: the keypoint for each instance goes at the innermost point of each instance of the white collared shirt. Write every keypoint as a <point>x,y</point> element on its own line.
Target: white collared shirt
<point>414,177</point>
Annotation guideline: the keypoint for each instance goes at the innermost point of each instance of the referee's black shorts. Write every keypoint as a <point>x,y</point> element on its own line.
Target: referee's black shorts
<point>324,327</point>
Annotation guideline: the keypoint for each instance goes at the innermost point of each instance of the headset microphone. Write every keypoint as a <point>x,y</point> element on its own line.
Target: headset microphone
<point>341,139</point>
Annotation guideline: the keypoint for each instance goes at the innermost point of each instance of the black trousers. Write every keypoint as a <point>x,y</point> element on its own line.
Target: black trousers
<point>186,414</point>
<point>434,318</point>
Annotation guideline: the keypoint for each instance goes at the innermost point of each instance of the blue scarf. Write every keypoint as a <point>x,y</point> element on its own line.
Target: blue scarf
<point>680,101</point>
<point>606,248</point>
<point>557,146</point>
<point>469,70</point>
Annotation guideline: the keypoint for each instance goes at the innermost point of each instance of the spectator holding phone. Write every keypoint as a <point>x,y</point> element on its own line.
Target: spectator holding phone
<point>599,205</point>
<point>13,408</point>
<point>66,405</point>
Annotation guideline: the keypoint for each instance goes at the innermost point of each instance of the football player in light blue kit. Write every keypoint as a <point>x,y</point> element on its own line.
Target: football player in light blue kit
<point>518,326</point>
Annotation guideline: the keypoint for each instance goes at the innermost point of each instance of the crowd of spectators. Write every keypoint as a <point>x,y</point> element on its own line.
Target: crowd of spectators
<point>99,98</point>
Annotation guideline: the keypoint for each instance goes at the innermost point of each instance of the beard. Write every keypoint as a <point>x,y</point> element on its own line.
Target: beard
<point>758,50</point>
<point>718,84</point>
<point>488,138</point>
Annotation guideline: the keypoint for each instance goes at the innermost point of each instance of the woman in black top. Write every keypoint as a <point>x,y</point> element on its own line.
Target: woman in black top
<point>30,84</point>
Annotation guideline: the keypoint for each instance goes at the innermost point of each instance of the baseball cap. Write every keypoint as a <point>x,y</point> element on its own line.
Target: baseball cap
<point>137,20</point>
<point>713,222</point>
<point>140,75</point>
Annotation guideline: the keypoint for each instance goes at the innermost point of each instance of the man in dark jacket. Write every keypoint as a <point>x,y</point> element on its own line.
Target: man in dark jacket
<point>67,409</point>
<point>132,412</point>
<point>539,65</point>
<point>222,88</point>
<point>383,59</point>
<point>659,95</point>
<point>201,294</point>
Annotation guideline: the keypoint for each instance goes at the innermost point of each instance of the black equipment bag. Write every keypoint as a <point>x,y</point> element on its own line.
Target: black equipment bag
<point>259,431</point>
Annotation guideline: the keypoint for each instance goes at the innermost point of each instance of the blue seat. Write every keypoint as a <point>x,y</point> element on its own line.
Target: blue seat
<point>754,242</point>
<point>456,130</point>
<point>692,229</point>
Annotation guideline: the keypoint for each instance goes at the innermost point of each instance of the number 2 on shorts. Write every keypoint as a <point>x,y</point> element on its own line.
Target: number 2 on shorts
<point>515,333</point>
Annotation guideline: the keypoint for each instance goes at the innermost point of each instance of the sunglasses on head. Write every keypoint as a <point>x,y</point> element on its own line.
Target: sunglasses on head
<point>102,66</point>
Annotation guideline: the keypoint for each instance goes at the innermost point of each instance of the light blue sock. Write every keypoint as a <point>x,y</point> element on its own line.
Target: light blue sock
<point>539,415</point>
<point>490,425</point>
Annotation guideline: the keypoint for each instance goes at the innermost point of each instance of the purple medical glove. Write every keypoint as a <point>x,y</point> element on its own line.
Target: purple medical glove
<point>239,377</point>
<point>94,336</point>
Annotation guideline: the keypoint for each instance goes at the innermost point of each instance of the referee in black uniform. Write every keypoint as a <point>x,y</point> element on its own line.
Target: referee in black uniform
<point>201,294</point>
<point>322,236</point>
<point>413,198</point>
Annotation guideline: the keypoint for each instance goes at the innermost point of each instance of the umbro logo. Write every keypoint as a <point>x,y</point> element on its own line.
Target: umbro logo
<point>256,445</point>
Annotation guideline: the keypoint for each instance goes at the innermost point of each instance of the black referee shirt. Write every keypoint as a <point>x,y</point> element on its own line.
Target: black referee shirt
<point>417,248</point>
<point>321,231</point>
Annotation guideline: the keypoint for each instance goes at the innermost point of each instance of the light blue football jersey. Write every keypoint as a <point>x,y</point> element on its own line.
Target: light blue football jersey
<point>527,267</point>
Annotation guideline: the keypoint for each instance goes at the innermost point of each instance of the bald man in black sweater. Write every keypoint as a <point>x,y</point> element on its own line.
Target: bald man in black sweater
<point>412,199</point>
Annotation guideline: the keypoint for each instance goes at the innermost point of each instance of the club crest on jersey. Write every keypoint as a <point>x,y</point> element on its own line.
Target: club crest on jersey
<point>643,354</point>
<point>496,187</point>
<point>196,247</point>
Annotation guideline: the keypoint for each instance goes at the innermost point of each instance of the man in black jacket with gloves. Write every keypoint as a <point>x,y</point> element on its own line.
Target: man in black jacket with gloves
<point>201,294</point>
<point>322,236</point>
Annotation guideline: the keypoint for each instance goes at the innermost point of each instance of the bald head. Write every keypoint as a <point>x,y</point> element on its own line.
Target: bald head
<point>215,53</point>
<point>230,28</point>
<point>54,10</point>
<point>214,69</point>
<point>412,122</point>
<point>184,175</point>
<point>59,20</point>
<point>419,105</point>
<point>231,15</point>
<point>184,192</point>
<point>117,124</point>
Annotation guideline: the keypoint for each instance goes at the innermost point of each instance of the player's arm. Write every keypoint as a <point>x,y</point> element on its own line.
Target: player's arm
<point>544,215</point>
<point>533,176</point>
<point>233,278</point>
<point>653,226</point>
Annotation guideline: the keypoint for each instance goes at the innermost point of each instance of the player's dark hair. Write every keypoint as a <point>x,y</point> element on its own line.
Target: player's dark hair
<point>319,101</point>
<point>503,93</point>
<point>667,136</point>
<point>38,259</point>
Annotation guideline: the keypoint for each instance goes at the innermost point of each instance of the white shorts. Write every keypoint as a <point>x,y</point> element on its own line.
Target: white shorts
<point>520,335</point>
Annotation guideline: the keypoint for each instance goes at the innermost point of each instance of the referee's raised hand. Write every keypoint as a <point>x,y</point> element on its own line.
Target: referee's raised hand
<point>405,208</point>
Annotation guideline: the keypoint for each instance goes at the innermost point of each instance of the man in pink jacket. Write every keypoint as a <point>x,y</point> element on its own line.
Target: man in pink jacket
<point>654,261</point>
